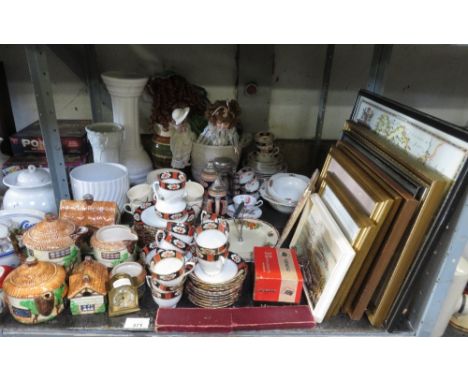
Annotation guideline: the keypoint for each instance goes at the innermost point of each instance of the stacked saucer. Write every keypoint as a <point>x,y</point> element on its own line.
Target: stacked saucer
<point>220,290</point>
<point>267,159</point>
<point>283,191</point>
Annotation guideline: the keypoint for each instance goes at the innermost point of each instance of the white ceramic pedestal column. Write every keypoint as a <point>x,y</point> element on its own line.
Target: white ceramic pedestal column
<point>125,89</point>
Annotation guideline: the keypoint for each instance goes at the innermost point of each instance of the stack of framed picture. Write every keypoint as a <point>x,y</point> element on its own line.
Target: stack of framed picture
<point>386,184</point>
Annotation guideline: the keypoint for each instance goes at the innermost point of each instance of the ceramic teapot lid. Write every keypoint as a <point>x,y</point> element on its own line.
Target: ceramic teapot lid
<point>33,176</point>
<point>50,233</point>
<point>34,278</point>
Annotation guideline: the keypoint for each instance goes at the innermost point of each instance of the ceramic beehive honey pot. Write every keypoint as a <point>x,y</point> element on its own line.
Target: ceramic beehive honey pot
<point>34,291</point>
<point>54,240</point>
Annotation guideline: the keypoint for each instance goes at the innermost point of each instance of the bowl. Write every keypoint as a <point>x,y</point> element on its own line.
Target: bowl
<point>287,187</point>
<point>104,181</point>
<point>285,208</point>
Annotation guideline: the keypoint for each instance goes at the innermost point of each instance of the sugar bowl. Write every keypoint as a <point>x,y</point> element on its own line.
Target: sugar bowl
<point>54,240</point>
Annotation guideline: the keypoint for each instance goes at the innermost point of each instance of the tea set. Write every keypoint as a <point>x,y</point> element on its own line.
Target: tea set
<point>164,239</point>
<point>267,159</point>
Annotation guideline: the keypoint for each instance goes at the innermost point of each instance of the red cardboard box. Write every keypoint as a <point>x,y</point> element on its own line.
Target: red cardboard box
<point>17,163</point>
<point>278,276</point>
<point>72,135</point>
<point>226,320</point>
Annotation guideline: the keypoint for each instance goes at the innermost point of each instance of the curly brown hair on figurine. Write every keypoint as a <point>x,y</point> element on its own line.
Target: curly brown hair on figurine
<point>223,114</point>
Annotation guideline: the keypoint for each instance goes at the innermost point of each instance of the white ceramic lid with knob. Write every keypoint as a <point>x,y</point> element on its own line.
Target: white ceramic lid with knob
<point>28,178</point>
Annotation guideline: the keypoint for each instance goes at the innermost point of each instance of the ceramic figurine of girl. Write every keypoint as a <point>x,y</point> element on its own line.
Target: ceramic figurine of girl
<point>181,138</point>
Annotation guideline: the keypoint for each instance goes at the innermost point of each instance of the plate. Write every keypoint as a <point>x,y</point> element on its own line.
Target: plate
<point>229,271</point>
<point>23,217</point>
<point>256,233</point>
<point>252,213</point>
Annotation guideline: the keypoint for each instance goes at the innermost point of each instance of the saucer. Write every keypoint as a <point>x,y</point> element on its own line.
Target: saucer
<point>229,271</point>
<point>274,159</point>
<point>255,233</point>
<point>151,218</point>
<point>251,213</point>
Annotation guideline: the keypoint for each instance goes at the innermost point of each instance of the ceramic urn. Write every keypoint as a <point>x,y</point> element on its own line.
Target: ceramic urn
<point>34,291</point>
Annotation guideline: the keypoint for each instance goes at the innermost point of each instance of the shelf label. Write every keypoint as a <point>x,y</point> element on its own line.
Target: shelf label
<point>137,323</point>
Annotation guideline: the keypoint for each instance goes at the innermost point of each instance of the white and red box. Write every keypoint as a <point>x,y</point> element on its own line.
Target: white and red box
<point>278,276</point>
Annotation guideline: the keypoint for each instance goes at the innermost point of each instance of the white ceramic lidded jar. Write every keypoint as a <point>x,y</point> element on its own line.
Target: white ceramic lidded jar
<point>30,188</point>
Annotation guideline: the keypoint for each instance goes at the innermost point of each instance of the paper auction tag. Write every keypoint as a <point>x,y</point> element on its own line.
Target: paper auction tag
<point>137,323</point>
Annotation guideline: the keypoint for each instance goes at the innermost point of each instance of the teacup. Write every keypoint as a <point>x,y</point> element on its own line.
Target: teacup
<point>168,240</point>
<point>211,249</point>
<point>245,174</point>
<point>195,192</point>
<point>212,221</point>
<point>264,137</point>
<point>214,265</point>
<point>170,185</point>
<point>156,286</point>
<point>183,231</point>
<point>168,299</point>
<point>170,270</point>
<point>268,156</point>
<point>137,195</point>
<point>249,201</point>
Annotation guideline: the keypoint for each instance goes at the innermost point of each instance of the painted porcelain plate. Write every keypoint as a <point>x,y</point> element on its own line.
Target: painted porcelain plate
<point>256,233</point>
<point>25,218</point>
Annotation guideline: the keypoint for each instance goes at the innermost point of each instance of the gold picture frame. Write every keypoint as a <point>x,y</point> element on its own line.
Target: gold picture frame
<point>373,200</point>
<point>437,187</point>
<point>350,217</point>
<point>359,299</point>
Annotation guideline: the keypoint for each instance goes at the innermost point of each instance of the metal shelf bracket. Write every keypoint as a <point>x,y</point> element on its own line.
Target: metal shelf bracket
<point>40,76</point>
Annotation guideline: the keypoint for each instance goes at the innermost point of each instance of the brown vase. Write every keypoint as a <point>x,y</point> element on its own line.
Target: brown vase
<point>161,154</point>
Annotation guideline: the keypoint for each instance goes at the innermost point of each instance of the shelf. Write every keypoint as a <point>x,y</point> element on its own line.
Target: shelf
<point>102,325</point>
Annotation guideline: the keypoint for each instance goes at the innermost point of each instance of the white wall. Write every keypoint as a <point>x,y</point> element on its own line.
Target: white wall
<point>431,78</point>
<point>70,95</point>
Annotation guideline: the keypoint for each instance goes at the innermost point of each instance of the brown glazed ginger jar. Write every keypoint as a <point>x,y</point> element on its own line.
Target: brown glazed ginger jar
<point>34,291</point>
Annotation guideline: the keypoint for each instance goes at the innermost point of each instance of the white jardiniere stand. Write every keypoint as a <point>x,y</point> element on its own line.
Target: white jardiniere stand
<point>125,89</point>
